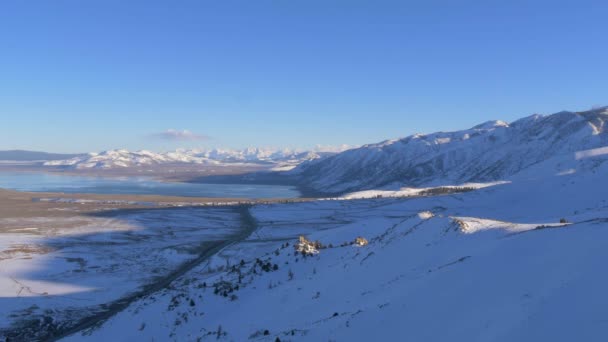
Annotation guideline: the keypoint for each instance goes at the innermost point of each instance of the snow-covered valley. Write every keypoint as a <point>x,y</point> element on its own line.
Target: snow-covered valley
<point>303,171</point>
<point>515,261</point>
<point>58,271</point>
<point>490,265</point>
<point>515,255</point>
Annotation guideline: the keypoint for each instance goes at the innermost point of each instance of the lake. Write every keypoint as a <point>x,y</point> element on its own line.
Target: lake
<point>45,182</point>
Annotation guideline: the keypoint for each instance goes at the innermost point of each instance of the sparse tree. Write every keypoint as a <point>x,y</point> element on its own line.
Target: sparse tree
<point>361,241</point>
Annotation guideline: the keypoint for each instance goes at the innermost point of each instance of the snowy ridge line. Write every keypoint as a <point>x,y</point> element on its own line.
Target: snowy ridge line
<point>488,152</point>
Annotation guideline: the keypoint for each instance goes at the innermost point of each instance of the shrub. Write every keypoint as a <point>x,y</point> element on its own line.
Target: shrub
<point>361,241</point>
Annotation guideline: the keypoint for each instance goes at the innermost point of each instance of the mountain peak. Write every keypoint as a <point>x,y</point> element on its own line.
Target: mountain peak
<point>491,151</point>
<point>491,124</point>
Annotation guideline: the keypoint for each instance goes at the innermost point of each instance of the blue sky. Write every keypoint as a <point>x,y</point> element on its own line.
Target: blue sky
<point>93,75</point>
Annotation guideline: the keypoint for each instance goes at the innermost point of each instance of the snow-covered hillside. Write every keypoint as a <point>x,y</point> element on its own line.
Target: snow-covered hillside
<point>519,261</point>
<point>502,238</point>
<point>283,158</point>
<point>491,151</point>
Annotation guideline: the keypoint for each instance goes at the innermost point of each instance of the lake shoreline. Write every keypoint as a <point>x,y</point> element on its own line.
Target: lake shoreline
<point>55,182</point>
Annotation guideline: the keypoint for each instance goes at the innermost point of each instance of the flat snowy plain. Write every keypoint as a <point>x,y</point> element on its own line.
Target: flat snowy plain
<point>59,264</point>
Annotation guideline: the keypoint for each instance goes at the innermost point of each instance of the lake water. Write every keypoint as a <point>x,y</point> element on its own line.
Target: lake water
<point>44,182</point>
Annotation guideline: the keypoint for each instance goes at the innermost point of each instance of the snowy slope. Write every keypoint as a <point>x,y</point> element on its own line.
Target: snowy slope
<point>490,151</point>
<point>493,264</point>
<point>520,257</point>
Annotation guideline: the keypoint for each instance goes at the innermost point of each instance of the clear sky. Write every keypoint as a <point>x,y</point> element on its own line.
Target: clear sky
<point>80,76</point>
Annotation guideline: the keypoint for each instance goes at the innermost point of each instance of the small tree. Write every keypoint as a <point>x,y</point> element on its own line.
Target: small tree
<point>361,241</point>
<point>220,332</point>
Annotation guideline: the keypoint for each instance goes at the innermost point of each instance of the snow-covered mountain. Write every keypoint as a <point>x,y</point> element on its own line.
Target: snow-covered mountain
<point>123,158</point>
<point>521,261</point>
<point>491,151</point>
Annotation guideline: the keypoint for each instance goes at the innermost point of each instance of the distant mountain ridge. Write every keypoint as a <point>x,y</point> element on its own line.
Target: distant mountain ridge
<point>22,155</point>
<point>284,158</point>
<point>491,151</point>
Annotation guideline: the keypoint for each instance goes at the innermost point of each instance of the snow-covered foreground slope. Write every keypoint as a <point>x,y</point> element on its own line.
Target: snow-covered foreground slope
<point>493,264</point>
<point>490,151</point>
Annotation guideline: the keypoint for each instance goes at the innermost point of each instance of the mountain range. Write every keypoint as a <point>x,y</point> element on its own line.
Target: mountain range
<point>491,151</point>
<point>283,158</point>
<point>518,259</point>
<point>494,150</point>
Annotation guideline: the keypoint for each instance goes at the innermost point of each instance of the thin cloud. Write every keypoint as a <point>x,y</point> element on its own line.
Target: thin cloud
<point>177,135</point>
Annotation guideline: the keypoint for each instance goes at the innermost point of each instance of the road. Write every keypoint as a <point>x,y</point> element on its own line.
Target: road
<point>206,251</point>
